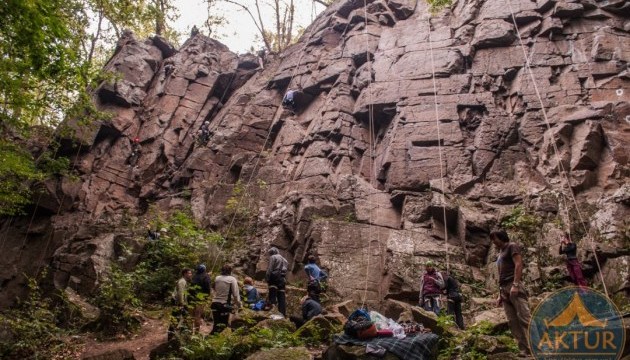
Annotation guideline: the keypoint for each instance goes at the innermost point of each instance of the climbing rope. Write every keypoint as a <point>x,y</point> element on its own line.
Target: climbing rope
<point>437,126</point>
<point>277,114</point>
<point>561,169</point>
<point>371,145</point>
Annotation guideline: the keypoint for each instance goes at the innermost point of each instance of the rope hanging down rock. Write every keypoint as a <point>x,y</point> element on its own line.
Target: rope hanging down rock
<point>561,169</point>
<point>437,126</point>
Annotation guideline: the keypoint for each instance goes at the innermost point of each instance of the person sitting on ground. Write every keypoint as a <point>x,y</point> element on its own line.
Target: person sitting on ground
<point>310,309</point>
<point>199,293</point>
<point>316,278</point>
<point>250,292</point>
<point>431,286</point>
<point>180,302</point>
<point>276,281</point>
<point>226,299</point>
<point>574,267</point>
<point>454,299</point>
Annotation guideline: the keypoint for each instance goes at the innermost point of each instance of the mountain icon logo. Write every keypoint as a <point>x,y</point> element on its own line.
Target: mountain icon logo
<point>576,323</point>
<point>575,309</point>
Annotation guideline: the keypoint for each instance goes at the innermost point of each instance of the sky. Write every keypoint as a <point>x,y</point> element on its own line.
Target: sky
<point>239,34</point>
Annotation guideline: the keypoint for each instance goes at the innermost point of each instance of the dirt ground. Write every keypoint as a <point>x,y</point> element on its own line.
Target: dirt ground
<point>151,334</point>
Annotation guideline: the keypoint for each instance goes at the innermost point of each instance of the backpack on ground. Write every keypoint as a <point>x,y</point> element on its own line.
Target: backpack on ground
<point>360,325</point>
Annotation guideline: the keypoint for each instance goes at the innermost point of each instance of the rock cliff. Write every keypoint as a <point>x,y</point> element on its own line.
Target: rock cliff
<point>407,120</point>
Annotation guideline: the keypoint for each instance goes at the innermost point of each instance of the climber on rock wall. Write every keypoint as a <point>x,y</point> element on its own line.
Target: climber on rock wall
<point>136,150</point>
<point>568,247</point>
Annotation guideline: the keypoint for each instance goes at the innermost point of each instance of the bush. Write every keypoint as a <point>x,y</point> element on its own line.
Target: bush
<point>118,302</point>
<point>183,245</point>
<point>236,345</point>
<point>31,330</point>
<point>475,343</point>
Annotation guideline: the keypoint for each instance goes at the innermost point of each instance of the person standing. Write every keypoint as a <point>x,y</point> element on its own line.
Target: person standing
<point>568,248</point>
<point>512,294</point>
<point>454,299</point>
<point>180,300</point>
<point>431,286</point>
<point>315,278</point>
<point>226,299</point>
<point>276,280</point>
<point>199,293</point>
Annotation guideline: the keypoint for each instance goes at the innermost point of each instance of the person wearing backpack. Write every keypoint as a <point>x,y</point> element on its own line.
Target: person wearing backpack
<point>316,278</point>
<point>226,299</point>
<point>276,281</point>
<point>431,285</point>
<point>454,299</point>
<point>199,292</point>
<point>180,302</point>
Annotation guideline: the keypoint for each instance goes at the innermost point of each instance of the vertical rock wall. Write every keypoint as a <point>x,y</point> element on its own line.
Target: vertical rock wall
<point>356,176</point>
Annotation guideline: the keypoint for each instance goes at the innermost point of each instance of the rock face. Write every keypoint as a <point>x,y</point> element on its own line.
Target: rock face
<point>356,176</point>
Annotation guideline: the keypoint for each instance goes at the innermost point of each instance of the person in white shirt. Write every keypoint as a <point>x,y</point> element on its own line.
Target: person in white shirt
<point>226,299</point>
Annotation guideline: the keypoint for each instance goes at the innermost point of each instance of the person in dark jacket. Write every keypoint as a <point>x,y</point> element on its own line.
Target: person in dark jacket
<point>199,294</point>
<point>568,248</point>
<point>454,299</point>
<point>276,280</point>
<point>310,309</point>
<point>136,150</point>
<point>289,100</point>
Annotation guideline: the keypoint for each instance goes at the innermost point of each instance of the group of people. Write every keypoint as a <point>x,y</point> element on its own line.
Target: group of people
<point>512,294</point>
<point>193,290</point>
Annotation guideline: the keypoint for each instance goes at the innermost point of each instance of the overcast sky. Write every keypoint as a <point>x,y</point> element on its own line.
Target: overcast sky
<point>239,34</point>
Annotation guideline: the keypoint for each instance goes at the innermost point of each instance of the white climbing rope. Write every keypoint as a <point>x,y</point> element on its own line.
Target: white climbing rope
<point>277,114</point>
<point>561,169</point>
<point>371,144</point>
<point>437,125</point>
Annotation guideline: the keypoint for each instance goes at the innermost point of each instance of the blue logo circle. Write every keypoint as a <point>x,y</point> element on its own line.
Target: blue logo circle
<point>576,323</point>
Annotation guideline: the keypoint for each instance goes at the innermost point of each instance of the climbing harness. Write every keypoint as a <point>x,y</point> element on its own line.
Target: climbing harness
<point>561,168</point>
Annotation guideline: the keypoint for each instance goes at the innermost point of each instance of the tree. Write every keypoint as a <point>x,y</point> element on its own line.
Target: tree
<point>283,21</point>
<point>50,58</point>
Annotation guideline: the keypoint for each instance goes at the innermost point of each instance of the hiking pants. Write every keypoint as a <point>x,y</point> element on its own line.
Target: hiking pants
<point>455,308</point>
<point>177,321</point>
<point>517,312</point>
<point>277,284</point>
<point>431,303</point>
<point>220,317</point>
<point>575,272</point>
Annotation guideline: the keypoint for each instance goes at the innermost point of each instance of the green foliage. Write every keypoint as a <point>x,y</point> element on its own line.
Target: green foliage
<point>437,5</point>
<point>234,345</point>
<point>474,343</point>
<point>31,330</point>
<point>524,226</point>
<point>117,301</point>
<point>17,171</point>
<point>183,245</point>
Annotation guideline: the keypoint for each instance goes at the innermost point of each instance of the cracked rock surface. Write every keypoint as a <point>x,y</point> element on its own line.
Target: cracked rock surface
<point>356,176</point>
